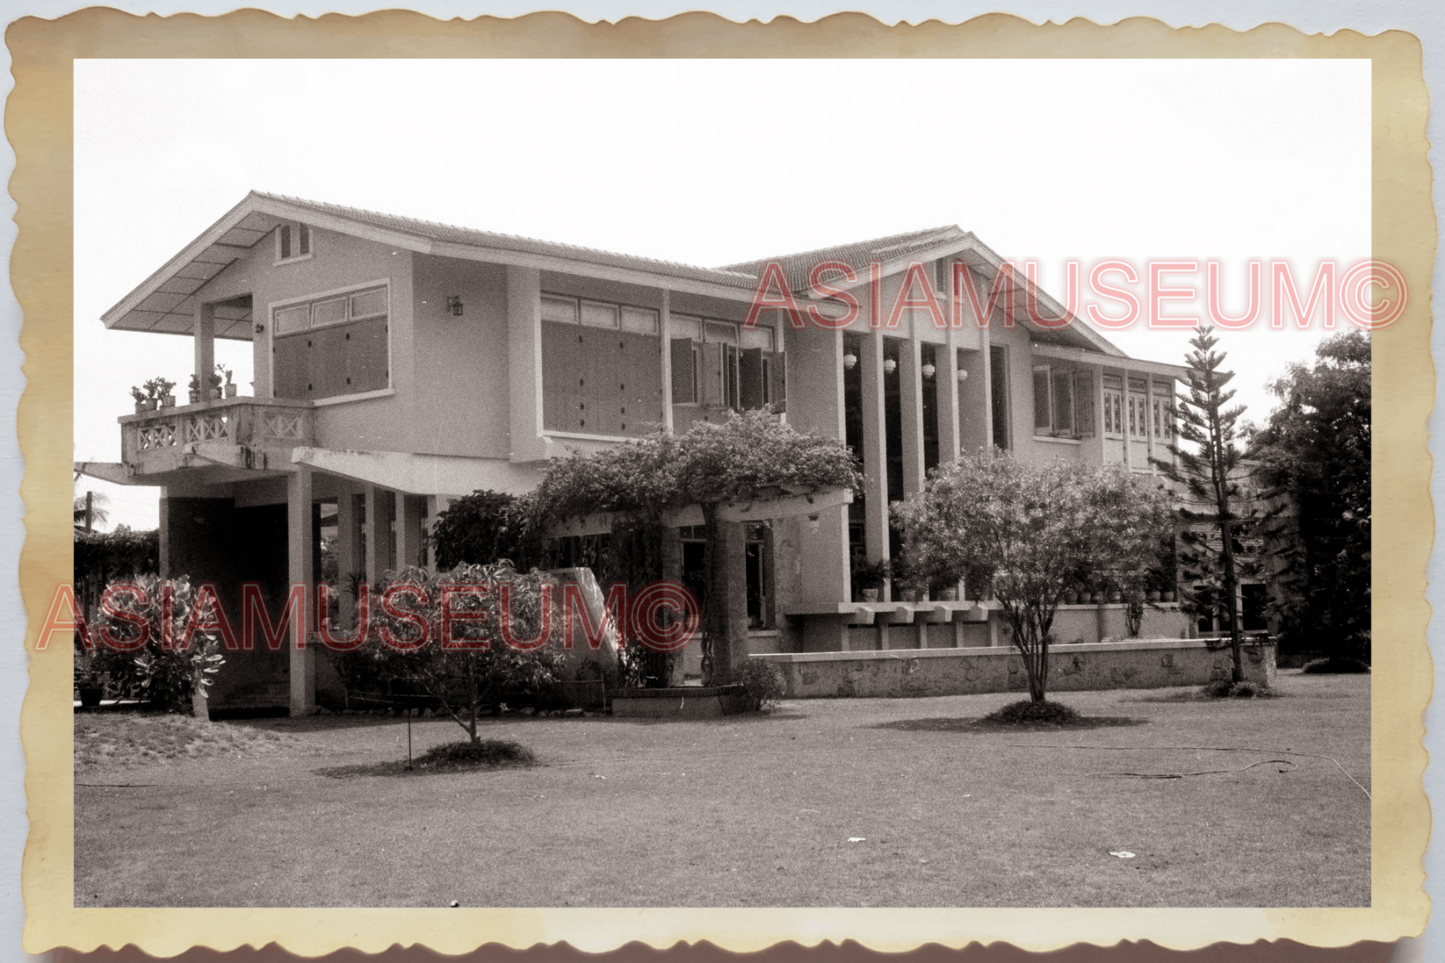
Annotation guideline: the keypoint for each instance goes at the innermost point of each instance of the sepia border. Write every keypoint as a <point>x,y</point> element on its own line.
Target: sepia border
<point>39,125</point>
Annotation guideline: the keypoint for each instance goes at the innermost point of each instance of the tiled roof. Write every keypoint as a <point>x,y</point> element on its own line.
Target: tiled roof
<point>856,255</point>
<point>510,242</point>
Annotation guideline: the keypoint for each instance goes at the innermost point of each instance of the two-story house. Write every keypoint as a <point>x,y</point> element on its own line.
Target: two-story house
<point>400,363</point>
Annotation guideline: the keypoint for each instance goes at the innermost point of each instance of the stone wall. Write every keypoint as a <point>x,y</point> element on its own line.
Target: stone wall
<point>1139,664</point>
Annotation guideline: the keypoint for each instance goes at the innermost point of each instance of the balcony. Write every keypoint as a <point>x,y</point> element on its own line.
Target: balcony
<point>244,433</point>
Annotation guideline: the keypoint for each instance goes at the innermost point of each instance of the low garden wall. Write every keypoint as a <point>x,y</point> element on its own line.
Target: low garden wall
<point>1137,664</point>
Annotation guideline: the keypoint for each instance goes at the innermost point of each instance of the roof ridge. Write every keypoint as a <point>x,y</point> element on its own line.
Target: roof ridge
<point>918,234</point>
<point>334,208</point>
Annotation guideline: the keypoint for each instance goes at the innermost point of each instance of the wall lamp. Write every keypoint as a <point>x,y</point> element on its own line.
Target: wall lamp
<point>812,523</point>
<point>889,366</point>
<point>454,305</point>
<point>850,361</point>
<point>962,375</point>
<point>260,327</point>
<point>927,370</point>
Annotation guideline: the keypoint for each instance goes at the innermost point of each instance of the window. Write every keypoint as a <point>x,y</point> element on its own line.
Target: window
<point>1063,402</point>
<point>1113,405</point>
<point>757,561</point>
<point>293,242</point>
<point>723,365</point>
<point>601,367</point>
<point>998,395</point>
<point>1163,410</point>
<point>332,345</point>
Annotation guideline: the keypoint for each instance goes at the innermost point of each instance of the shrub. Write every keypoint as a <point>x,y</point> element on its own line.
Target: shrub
<point>157,671</point>
<point>1031,713</point>
<point>1225,689</point>
<point>1335,664</point>
<point>762,684</point>
<point>484,754</point>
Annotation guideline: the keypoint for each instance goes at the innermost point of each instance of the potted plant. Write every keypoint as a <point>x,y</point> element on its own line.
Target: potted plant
<point>195,389</point>
<point>215,379</point>
<point>143,401</point>
<point>229,388</point>
<point>870,577</point>
<point>160,389</point>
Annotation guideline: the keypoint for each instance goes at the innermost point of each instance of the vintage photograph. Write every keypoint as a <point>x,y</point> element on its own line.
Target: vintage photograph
<point>723,483</point>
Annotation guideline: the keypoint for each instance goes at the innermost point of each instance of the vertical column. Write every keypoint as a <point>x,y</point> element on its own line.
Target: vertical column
<point>348,553</point>
<point>1127,400</point>
<point>815,360</point>
<point>947,388</point>
<point>408,530</point>
<point>300,569</point>
<point>435,505</point>
<point>1149,420</point>
<point>205,346</point>
<point>1103,441</point>
<point>986,353</point>
<point>524,362</point>
<point>664,331</point>
<point>378,532</point>
<point>875,449</point>
<point>910,400</point>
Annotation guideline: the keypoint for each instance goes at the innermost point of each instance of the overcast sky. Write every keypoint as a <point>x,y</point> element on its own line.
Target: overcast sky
<point>711,162</point>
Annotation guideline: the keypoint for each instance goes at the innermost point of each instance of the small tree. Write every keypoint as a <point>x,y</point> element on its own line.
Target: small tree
<point>481,528</point>
<point>148,655</point>
<point>1314,455</point>
<point>1036,531</point>
<point>502,626</point>
<point>1215,518</point>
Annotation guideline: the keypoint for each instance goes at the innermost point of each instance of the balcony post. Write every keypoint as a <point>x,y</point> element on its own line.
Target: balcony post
<point>205,346</point>
<point>301,571</point>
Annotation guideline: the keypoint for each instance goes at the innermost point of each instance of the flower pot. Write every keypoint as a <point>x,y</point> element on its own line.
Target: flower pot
<point>1115,597</point>
<point>1168,596</point>
<point>90,695</point>
<point>908,595</point>
<point>195,397</point>
<point>168,401</point>
<point>1154,596</point>
<point>215,393</point>
<point>231,391</point>
<point>1071,598</point>
<point>870,595</point>
<point>948,595</point>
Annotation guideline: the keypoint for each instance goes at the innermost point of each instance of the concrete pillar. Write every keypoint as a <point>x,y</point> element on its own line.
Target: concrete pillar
<point>435,505</point>
<point>910,399</point>
<point>205,346</point>
<point>875,449</point>
<point>664,326</point>
<point>348,552</point>
<point>301,563</point>
<point>815,377</point>
<point>524,362</point>
<point>950,421</point>
<point>409,509</point>
<point>1128,438</point>
<point>378,532</point>
<point>985,374</point>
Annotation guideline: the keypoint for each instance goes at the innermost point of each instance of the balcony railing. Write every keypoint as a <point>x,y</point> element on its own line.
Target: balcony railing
<point>232,431</point>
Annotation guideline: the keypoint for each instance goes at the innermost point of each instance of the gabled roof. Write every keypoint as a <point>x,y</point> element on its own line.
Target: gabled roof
<point>165,302</point>
<point>896,248</point>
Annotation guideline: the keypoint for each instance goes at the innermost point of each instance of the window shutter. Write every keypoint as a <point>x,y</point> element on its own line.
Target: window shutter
<point>1041,400</point>
<point>711,375</point>
<point>683,376</point>
<point>1084,402</point>
<point>754,394</point>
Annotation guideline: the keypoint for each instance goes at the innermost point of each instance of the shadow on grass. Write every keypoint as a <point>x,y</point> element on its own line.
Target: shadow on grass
<point>398,768</point>
<point>488,754</point>
<point>985,725</point>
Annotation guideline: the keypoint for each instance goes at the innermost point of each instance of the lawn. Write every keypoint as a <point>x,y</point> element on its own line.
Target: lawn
<point>886,802</point>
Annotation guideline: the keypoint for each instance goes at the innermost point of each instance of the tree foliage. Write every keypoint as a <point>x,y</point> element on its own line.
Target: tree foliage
<point>1217,514</point>
<point>1315,458</point>
<point>711,465</point>
<point>1036,531</point>
<point>483,527</point>
<point>504,626</point>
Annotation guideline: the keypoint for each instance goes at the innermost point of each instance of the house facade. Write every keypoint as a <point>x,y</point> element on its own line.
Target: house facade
<point>400,364</point>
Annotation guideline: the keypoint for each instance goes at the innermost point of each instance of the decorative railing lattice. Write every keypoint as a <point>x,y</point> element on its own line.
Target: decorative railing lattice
<point>245,422</point>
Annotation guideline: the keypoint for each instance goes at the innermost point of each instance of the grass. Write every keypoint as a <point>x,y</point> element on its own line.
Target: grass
<point>106,740</point>
<point>761,811</point>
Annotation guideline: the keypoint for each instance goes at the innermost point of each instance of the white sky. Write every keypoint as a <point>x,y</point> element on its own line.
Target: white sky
<point>710,162</point>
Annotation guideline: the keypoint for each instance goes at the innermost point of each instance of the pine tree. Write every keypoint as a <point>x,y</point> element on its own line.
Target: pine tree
<point>1206,464</point>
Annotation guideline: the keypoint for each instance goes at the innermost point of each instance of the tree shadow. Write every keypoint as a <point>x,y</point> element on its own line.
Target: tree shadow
<point>397,768</point>
<point>985,725</point>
